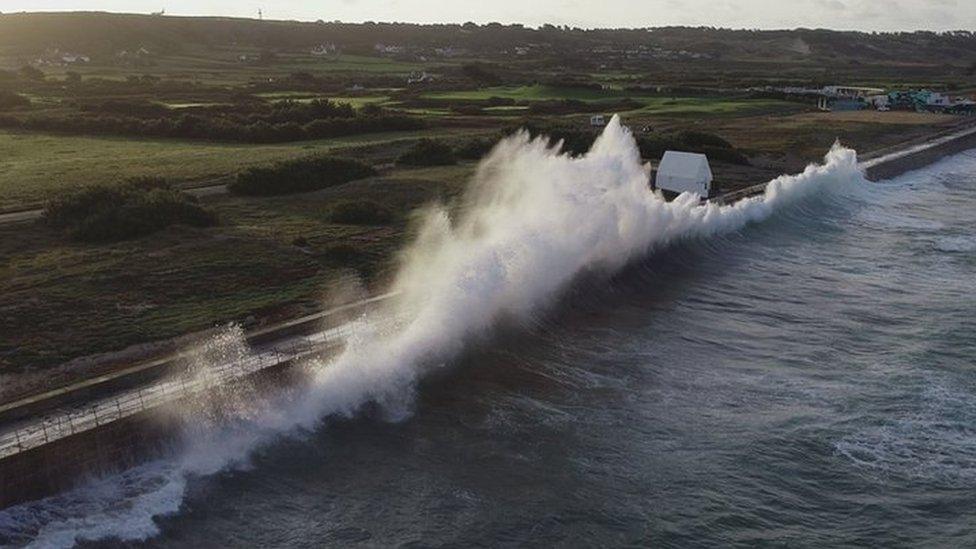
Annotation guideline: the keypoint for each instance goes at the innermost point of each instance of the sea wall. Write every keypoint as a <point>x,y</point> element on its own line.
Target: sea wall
<point>915,157</point>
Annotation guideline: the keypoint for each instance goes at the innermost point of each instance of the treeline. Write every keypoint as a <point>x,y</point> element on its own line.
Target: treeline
<point>249,123</point>
<point>105,34</point>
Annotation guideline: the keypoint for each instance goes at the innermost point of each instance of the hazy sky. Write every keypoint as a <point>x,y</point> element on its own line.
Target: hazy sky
<point>837,14</point>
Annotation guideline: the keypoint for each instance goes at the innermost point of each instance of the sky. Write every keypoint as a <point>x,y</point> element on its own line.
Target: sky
<point>869,15</point>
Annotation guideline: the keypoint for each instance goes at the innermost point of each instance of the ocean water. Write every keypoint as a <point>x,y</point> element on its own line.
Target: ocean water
<point>806,380</point>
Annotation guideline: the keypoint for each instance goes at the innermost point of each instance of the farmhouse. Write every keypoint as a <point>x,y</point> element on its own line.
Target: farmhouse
<point>681,172</point>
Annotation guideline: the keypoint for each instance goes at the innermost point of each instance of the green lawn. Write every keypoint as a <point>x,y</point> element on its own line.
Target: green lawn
<point>677,106</point>
<point>354,100</point>
<point>34,166</point>
<point>527,93</point>
<point>183,279</point>
<point>223,67</point>
<point>653,104</point>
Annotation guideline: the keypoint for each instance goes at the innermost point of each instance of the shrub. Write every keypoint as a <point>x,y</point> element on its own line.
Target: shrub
<point>343,253</point>
<point>653,147</point>
<point>11,100</point>
<point>148,182</point>
<point>428,152</point>
<point>702,139</point>
<point>474,149</point>
<point>732,156</point>
<point>365,212</point>
<point>103,213</point>
<point>575,141</point>
<point>299,175</point>
<point>246,121</point>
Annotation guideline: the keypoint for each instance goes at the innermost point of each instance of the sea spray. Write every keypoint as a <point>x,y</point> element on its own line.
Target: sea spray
<point>533,220</point>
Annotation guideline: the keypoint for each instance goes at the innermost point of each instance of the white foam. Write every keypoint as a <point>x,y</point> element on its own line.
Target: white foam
<point>956,244</point>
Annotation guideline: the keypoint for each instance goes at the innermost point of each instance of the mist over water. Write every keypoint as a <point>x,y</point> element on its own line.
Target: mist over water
<point>675,337</point>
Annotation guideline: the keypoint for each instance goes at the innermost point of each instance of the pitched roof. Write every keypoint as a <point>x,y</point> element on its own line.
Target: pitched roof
<point>684,164</point>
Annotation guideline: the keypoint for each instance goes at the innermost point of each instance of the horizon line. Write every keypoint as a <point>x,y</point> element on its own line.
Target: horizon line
<point>531,26</point>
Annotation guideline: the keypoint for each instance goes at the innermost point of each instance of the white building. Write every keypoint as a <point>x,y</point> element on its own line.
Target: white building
<point>937,99</point>
<point>598,120</point>
<point>681,172</point>
<point>850,91</point>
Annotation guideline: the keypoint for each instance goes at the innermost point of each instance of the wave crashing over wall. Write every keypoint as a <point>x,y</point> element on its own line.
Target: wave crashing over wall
<point>532,221</point>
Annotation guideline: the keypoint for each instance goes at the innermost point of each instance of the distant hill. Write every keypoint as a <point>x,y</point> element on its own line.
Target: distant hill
<point>104,33</point>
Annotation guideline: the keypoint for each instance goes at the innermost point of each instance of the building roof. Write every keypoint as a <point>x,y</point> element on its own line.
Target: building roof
<point>686,165</point>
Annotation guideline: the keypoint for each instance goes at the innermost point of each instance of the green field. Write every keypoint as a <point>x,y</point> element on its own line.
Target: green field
<point>354,100</point>
<point>183,279</point>
<point>223,67</point>
<point>33,166</point>
<point>535,92</point>
<point>653,104</point>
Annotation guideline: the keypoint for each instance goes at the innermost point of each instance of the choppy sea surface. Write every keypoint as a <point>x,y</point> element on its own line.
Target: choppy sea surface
<point>807,381</point>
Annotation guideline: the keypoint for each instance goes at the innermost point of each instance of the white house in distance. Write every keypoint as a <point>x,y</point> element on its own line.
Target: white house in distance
<point>684,172</point>
<point>598,120</point>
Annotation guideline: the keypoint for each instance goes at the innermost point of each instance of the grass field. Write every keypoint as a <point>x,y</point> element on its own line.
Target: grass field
<point>354,100</point>
<point>536,92</point>
<point>182,279</point>
<point>33,166</point>
<point>223,67</point>
<point>652,104</point>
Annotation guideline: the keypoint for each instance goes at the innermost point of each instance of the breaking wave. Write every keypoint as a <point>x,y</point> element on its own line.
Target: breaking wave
<point>533,220</point>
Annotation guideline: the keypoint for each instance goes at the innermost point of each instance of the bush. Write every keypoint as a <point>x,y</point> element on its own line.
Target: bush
<point>364,212</point>
<point>148,182</point>
<point>428,152</point>
<point>474,149</point>
<point>732,156</point>
<point>299,175</point>
<point>653,147</point>
<point>702,139</point>
<point>246,121</point>
<point>109,213</point>
<point>343,253</point>
<point>11,100</point>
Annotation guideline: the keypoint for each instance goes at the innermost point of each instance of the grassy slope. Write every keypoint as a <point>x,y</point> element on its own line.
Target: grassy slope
<point>32,166</point>
<point>80,299</point>
<point>653,104</point>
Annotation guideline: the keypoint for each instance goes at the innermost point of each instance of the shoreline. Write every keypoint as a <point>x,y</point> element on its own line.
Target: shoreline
<point>120,439</point>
